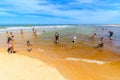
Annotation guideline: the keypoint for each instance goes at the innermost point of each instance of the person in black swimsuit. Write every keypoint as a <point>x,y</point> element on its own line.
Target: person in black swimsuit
<point>111,34</point>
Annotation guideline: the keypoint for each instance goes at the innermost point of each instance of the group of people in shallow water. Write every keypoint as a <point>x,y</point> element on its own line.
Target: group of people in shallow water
<point>57,38</point>
<point>101,45</point>
<point>11,40</point>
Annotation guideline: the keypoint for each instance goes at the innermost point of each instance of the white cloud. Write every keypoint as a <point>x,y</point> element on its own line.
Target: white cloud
<point>4,12</point>
<point>29,6</point>
<point>45,7</point>
<point>85,1</point>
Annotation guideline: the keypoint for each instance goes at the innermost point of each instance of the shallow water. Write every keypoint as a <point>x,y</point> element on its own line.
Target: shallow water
<point>83,48</point>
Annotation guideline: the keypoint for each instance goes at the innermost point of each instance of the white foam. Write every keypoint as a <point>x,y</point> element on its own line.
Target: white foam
<point>111,25</point>
<point>54,26</point>
<point>87,60</point>
<point>18,28</point>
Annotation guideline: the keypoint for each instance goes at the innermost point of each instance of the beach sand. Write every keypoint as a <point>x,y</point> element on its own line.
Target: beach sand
<point>49,63</point>
<point>19,67</point>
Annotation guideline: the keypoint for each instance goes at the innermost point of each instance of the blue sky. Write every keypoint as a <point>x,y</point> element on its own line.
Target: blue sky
<point>59,11</point>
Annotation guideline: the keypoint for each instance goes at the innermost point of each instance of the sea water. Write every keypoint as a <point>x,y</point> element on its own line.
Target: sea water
<point>83,46</point>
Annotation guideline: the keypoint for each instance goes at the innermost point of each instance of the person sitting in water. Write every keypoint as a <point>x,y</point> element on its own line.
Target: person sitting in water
<point>29,46</point>
<point>101,45</point>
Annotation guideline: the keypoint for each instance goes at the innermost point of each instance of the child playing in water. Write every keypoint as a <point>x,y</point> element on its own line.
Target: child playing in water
<point>101,45</point>
<point>29,46</point>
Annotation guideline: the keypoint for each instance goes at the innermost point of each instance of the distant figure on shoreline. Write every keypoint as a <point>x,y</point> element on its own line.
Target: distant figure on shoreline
<point>7,34</point>
<point>110,34</point>
<point>57,37</point>
<point>21,31</point>
<point>43,31</point>
<point>33,29</point>
<point>29,46</point>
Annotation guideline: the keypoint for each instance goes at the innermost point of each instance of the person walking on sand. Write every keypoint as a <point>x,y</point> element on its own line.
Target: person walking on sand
<point>110,34</point>
<point>29,46</point>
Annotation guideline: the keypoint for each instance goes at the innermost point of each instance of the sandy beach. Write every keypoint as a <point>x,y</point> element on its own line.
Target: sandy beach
<point>59,39</point>
<point>20,67</point>
<point>56,62</point>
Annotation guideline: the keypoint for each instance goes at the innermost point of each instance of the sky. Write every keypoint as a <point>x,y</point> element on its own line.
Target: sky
<point>59,11</point>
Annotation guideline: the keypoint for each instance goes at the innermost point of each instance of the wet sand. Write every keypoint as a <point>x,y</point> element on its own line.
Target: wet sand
<point>72,61</point>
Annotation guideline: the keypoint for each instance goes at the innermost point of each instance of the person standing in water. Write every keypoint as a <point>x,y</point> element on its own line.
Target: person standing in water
<point>101,39</point>
<point>29,46</point>
<point>93,36</point>
<point>33,29</point>
<point>74,39</point>
<point>13,42</point>
<point>110,34</point>
<point>57,37</point>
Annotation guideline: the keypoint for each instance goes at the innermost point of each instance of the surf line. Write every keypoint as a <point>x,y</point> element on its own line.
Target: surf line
<point>87,60</point>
